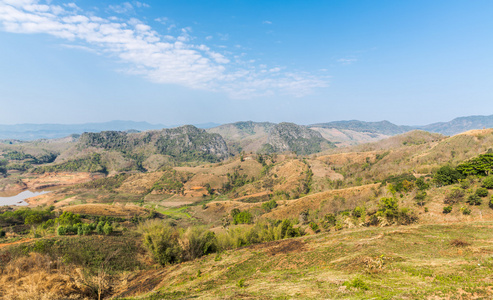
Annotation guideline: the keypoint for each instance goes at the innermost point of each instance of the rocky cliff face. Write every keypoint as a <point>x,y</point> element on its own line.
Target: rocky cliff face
<point>183,143</point>
<point>299,139</point>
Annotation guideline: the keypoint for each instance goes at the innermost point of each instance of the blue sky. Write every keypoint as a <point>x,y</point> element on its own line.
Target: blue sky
<point>176,62</point>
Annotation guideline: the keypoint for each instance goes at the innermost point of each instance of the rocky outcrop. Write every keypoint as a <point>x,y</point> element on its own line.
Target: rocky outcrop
<point>296,138</point>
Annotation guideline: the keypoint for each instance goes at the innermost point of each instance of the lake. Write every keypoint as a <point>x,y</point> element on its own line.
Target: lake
<point>9,199</point>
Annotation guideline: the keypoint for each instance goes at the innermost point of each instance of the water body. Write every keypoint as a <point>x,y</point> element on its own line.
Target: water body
<point>6,199</point>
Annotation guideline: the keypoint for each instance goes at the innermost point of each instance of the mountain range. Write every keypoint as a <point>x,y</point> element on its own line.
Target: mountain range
<point>246,135</point>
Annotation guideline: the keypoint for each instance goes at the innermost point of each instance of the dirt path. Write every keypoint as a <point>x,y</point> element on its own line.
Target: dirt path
<point>16,242</point>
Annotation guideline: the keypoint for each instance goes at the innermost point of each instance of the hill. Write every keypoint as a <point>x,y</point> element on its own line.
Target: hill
<point>295,138</point>
<point>461,124</point>
<point>244,136</point>
<point>362,222</point>
<point>382,127</point>
<point>29,132</point>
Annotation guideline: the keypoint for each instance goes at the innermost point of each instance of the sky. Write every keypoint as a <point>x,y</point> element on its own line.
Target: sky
<point>411,62</point>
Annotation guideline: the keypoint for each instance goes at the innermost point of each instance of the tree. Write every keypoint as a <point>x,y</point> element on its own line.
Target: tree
<point>3,169</point>
<point>488,182</point>
<point>447,175</point>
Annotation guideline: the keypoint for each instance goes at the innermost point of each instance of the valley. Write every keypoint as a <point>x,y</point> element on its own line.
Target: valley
<point>265,211</point>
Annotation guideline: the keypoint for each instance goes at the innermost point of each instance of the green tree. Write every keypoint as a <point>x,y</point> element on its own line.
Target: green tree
<point>447,175</point>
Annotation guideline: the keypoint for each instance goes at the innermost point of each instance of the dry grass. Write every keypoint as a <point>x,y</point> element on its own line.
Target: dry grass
<point>37,277</point>
<point>459,243</point>
<point>116,210</point>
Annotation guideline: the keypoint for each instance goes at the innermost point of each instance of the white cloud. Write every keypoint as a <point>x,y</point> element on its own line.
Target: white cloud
<point>122,9</point>
<point>267,22</point>
<point>163,59</point>
<point>141,4</point>
<point>162,20</point>
<point>347,61</point>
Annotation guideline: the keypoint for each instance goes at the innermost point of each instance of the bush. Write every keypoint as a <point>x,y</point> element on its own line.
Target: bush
<point>356,283</point>
<point>388,208</point>
<point>330,220</point>
<point>420,198</point>
<point>447,209</point>
<point>474,200</point>
<point>421,184</point>
<point>269,205</point>
<point>447,175</point>
<point>465,210</point>
<point>406,217</point>
<point>61,230</point>
<point>2,233</point>
<point>488,182</point>
<point>358,212</point>
<point>162,242</point>
<point>465,184</point>
<point>314,226</point>
<point>482,192</point>
<point>197,242</point>
<point>99,228</point>
<point>243,217</point>
<point>491,202</point>
<point>107,229</point>
<point>454,196</point>
<point>288,231</point>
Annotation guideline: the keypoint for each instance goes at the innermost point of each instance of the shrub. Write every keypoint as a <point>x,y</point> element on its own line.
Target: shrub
<point>107,228</point>
<point>314,226</point>
<point>243,217</point>
<point>421,184</point>
<point>287,230</point>
<point>465,210</point>
<point>491,202</point>
<point>388,208</point>
<point>197,242</point>
<point>61,230</point>
<point>420,198</point>
<point>356,283</point>
<point>161,241</point>
<point>358,212</point>
<point>474,200</point>
<point>241,283</point>
<point>488,182</point>
<point>99,228</point>
<point>482,192</point>
<point>269,205</point>
<point>2,233</point>
<point>447,209</point>
<point>330,219</point>
<point>447,175</point>
<point>86,229</point>
<point>454,196</point>
<point>406,216</point>
<point>465,184</point>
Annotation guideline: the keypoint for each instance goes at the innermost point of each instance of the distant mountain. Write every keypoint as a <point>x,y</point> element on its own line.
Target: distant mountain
<point>246,136</point>
<point>29,132</point>
<point>296,138</point>
<point>382,127</point>
<point>185,143</point>
<point>461,124</point>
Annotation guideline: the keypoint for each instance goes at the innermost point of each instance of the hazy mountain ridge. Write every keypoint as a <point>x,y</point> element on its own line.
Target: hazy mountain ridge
<point>182,142</point>
<point>460,124</point>
<point>51,131</point>
<point>285,137</point>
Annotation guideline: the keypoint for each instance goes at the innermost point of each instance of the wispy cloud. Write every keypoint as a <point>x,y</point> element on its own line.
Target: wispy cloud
<point>160,58</point>
<point>347,61</point>
<point>122,9</point>
<point>267,22</point>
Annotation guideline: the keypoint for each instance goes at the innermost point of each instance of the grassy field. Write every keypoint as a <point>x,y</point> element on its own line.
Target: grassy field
<point>412,262</point>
